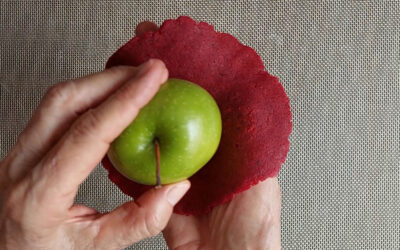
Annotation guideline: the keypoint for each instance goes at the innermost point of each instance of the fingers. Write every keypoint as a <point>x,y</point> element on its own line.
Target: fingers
<point>140,219</point>
<point>184,232</point>
<point>61,171</point>
<point>274,231</point>
<point>145,26</point>
<point>253,214</point>
<point>59,108</point>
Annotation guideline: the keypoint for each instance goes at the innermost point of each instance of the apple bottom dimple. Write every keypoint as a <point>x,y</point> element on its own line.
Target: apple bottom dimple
<point>186,122</point>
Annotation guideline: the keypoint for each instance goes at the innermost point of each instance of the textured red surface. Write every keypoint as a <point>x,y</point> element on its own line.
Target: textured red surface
<point>255,110</point>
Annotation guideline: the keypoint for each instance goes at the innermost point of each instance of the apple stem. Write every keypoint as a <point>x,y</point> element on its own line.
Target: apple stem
<point>157,147</point>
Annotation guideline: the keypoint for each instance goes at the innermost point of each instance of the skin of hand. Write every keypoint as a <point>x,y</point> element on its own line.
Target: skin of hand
<point>40,176</point>
<point>250,221</point>
<point>66,138</point>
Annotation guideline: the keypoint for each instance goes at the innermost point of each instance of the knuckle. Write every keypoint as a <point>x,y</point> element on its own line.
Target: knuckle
<point>13,202</point>
<point>86,125</point>
<point>126,96</point>
<point>120,69</point>
<point>152,224</point>
<point>60,93</point>
<point>24,144</point>
<point>135,95</point>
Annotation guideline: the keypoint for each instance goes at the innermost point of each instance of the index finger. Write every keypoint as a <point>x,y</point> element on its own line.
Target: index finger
<point>66,166</point>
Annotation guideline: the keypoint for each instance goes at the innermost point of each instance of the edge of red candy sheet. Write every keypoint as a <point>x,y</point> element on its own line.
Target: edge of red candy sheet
<point>255,109</point>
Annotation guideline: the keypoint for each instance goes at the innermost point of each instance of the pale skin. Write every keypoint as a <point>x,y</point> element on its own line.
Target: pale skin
<point>68,135</point>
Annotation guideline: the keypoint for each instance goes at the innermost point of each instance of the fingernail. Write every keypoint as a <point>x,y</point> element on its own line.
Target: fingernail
<point>177,191</point>
<point>144,68</point>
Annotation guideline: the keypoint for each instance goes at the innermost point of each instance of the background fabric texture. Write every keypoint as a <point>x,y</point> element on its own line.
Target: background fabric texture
<point>339,63</point>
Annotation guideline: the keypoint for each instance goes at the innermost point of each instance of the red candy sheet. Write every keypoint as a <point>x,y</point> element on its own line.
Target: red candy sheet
<point>256,117</point>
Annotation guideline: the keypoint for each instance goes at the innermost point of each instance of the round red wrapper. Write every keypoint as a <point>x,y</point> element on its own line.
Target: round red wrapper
<point>256,118</point>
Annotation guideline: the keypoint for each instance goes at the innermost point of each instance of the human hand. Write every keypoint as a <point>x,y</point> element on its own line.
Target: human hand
<point>250,221</point>
<point>66,138</point>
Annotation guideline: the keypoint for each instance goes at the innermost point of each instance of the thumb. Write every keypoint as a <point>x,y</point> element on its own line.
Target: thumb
<point>139,219</point>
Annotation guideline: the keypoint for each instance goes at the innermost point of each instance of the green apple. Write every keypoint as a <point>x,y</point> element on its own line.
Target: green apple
<point>182,122</point>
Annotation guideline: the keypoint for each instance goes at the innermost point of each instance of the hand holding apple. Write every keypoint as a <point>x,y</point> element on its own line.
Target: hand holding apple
<point>41,175</point>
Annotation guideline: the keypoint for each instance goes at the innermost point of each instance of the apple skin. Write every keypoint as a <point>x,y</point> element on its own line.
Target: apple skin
<point>186,121</point>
